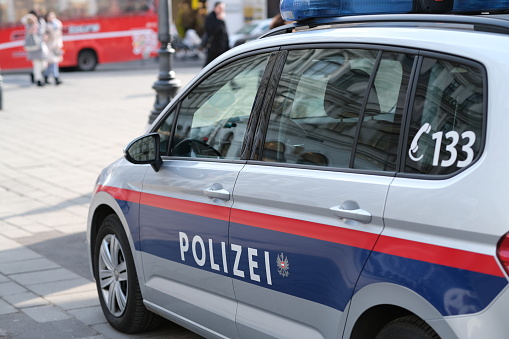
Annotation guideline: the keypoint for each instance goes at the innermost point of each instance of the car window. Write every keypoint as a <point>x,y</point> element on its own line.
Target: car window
<point>324,97</point>
<point>377,144</point>
<point>164,131</point>
<point>446,126</point>
<point>213,117</point>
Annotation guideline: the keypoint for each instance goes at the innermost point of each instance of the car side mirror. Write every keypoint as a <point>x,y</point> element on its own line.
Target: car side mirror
<point>145,150</point>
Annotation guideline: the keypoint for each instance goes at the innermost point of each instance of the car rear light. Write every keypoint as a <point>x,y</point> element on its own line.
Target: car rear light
<point>503,252</point>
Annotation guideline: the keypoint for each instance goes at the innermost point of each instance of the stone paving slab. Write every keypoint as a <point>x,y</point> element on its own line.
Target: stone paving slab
<point>40,277</point>
<point>74,300</point>
<point>20,325</point>
<point>89,315</point>
<point>44,314</point>
<point>18,254</point>
<point>63,287</point>
<point>10,287</point>
<point>28,265</point>
<point>6,308</point>
<point>24,300</point>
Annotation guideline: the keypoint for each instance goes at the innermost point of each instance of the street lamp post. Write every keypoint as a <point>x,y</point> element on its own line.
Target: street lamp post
<point>167,85</point>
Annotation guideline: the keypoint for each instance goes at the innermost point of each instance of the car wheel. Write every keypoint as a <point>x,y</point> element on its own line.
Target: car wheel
<point>87,60</point>
<point>409,327</point>
<point>117,282</point>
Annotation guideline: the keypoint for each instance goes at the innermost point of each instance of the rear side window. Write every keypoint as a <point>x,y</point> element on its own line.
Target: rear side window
<point>339,108</point>
<point>446,127</point>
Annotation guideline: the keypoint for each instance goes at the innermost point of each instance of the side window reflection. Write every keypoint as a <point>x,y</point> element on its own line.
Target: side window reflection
<point>213,118</point>
<point>327,109</point>
<point>446,129</point>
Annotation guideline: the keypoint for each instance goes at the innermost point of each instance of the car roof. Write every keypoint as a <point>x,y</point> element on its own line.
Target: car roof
<point>397,30</point>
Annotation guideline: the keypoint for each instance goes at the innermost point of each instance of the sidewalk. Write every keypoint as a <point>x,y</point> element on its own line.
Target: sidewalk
<point>53,143</point>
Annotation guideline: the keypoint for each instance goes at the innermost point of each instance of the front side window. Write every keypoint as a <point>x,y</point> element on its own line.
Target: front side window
<point>446,129</point>
<point>213,117</point>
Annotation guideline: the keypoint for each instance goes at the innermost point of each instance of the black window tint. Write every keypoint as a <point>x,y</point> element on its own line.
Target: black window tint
<point>213,117</point>
<point>446,129</point>
<point>377,146</point>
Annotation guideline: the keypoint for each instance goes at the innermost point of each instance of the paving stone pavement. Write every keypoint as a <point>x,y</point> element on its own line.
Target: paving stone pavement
<point>54,141</point>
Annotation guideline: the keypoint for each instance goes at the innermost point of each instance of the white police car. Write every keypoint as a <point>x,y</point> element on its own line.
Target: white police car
<point>341,177</point>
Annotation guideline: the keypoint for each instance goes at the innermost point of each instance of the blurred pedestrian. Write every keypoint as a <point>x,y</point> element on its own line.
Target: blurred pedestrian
<point>277,21</point>
<point>55,45</point>
<point>34,45</point>
<point>216,35</point>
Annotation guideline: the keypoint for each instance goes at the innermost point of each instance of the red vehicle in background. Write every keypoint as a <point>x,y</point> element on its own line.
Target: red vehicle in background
<point>112,31</point>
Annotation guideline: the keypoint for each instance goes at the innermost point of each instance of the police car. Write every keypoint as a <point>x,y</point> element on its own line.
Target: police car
<point>344,176</point>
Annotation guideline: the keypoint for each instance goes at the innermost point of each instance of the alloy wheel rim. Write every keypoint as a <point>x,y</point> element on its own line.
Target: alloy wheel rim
<point>113,275</point>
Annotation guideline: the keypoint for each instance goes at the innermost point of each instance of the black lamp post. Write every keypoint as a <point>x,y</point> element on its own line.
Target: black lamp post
<point>167,85</point>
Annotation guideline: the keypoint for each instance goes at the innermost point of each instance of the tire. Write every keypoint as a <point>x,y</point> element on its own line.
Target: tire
<point>87,60</point>
<point>408,327</point>
<point>114,271</point>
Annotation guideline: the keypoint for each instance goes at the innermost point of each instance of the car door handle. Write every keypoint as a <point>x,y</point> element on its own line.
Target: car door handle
<point>351,210</point>
<point>217,192</point>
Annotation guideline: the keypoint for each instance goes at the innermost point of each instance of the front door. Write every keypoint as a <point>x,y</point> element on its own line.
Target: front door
<point>185,206</point>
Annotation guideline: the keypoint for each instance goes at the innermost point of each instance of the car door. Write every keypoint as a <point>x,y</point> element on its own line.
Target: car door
<point>309,210</point>
<point>185,206</point>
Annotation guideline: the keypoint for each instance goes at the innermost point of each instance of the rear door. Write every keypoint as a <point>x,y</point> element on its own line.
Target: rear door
<point>185,206</point>
<point>309,210</point>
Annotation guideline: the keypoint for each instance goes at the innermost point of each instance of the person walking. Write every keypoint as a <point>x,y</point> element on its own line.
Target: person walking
<point>216,33</point>
<point>55,47</point>
<point>35,45</point>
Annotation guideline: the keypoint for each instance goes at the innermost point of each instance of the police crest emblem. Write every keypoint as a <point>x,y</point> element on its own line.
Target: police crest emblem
<point>283,265</point>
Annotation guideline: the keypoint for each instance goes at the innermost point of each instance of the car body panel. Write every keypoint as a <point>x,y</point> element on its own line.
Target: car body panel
<point>274,256</point>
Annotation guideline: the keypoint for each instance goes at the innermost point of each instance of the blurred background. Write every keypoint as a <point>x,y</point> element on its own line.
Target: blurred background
<point>102,31</point>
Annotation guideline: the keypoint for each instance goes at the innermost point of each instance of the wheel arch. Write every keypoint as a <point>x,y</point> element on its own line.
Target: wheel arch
<point>100,213</point>
<point>102,205</point>
<point>375,305</point>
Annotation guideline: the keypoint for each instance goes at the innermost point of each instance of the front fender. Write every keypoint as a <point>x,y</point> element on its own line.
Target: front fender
<point>103,198</point>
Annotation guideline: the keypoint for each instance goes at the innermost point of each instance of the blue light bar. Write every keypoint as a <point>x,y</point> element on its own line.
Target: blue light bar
<point>299,10</point>
<point>480,5</point>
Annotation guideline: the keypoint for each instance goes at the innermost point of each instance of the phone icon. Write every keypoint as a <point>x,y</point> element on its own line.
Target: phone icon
<point>426,128</point>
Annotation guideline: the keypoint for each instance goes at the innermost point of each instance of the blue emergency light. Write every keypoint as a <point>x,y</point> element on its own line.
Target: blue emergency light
<point>300,10</point>
<point>480,5</point>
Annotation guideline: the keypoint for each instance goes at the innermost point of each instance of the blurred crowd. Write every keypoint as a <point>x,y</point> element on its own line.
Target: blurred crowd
<point>44,46</point>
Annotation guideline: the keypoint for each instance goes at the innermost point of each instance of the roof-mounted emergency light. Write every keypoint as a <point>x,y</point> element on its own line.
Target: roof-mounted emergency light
<point>299,10</point>
<point>480,5</point>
